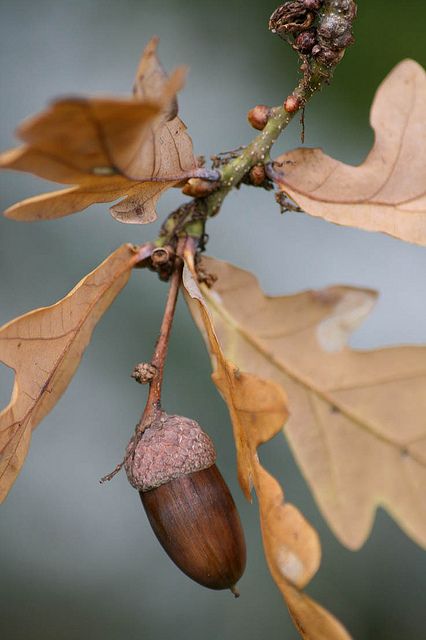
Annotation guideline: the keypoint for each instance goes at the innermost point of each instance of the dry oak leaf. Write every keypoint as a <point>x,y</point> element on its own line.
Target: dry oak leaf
<point>387,191</point>
<point>44,347</point>
<point>357,425</point>
<point>258,409</point>
<point>151,77</point>
<point>168,152</point>
<point>107,148</point>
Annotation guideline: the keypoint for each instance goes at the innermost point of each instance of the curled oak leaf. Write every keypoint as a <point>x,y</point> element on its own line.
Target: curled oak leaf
<point>357,425</point>
<point>70,141</point>
<point>292,551</point>
<point>258,409</point>
<point>387,191</point>
<point>311,620</point>
<point>138,206</point>
<point>108,149</point>
<point>226,376</point>
<point>44,347</point>
<point>292,546</point>
<point>140,203</point>
<point>151,77</point>
<point>85,133</point>
<point>168,152</point>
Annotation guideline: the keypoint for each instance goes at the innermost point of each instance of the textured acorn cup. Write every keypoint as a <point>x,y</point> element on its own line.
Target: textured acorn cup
<point>188,503</point>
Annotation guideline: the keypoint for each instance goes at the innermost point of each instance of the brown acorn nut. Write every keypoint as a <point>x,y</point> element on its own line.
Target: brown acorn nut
<point>188,503</point>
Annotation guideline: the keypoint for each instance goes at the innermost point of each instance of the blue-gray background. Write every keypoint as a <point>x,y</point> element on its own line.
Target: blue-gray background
<point>78,560</point>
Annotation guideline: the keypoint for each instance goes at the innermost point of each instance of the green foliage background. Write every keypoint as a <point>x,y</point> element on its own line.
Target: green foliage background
<point>78,560</point>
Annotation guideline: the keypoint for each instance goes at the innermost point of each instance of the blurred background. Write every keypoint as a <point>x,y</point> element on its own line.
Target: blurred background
<point>78,560</point>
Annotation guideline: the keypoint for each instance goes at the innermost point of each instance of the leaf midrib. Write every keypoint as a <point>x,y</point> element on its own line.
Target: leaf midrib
<point>297,377</point>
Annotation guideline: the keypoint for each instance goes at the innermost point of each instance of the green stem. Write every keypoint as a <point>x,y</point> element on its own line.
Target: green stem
<point>256,152</point>
<point>190,218</point>
<point>187,218</point>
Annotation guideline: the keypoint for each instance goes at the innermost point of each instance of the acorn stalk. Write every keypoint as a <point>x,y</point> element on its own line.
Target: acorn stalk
<point>171,462</point>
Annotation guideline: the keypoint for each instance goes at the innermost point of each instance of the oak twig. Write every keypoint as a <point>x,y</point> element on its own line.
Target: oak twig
<point>334,34</point>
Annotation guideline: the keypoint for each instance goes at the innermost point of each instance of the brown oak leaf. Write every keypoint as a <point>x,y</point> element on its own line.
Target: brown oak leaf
<point>44,347</point>
<point>151,77</point>
<point>107,148</point>
<point>258,408</point>
<point>387,191</point>
<point>357,426</point>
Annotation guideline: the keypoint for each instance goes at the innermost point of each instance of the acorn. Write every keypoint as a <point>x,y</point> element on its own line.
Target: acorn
<point>188,504</point>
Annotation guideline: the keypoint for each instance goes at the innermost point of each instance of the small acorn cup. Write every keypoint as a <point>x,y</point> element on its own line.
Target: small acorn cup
<point>188,504</point>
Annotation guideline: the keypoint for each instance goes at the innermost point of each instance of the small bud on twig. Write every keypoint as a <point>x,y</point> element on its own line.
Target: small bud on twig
<point>144,372</point>
<point>257,175</point>
<point>305,41</point>
<point>292,103</point>
<point>161,256</point>
<point>197,188</point>
<point>259,116</point>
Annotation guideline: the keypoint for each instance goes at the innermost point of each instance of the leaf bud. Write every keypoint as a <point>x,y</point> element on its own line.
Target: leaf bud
<point>259,116</point>
<point>143,372</point>
<point>312,5</point>
<point>188,504</point>
<point>292,103</point>
<point>305,41</point>
<point>199,188</point>
<point>257,175</point>
<point>161,256</point>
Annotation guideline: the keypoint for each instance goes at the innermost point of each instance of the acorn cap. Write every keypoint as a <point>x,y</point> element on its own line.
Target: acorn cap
<point>170,447</point>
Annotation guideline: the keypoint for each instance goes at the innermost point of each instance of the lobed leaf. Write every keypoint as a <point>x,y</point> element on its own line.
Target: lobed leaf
<point>258,408</point>
<point>311,620</point>
<point>44,347</point>
<point>85,134</point>
<point>169,151</point>
<point>357,425</point>
<point>387,191</point>
<point>138,205</point>
<point>107,148</point>
<point>151,77</point>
